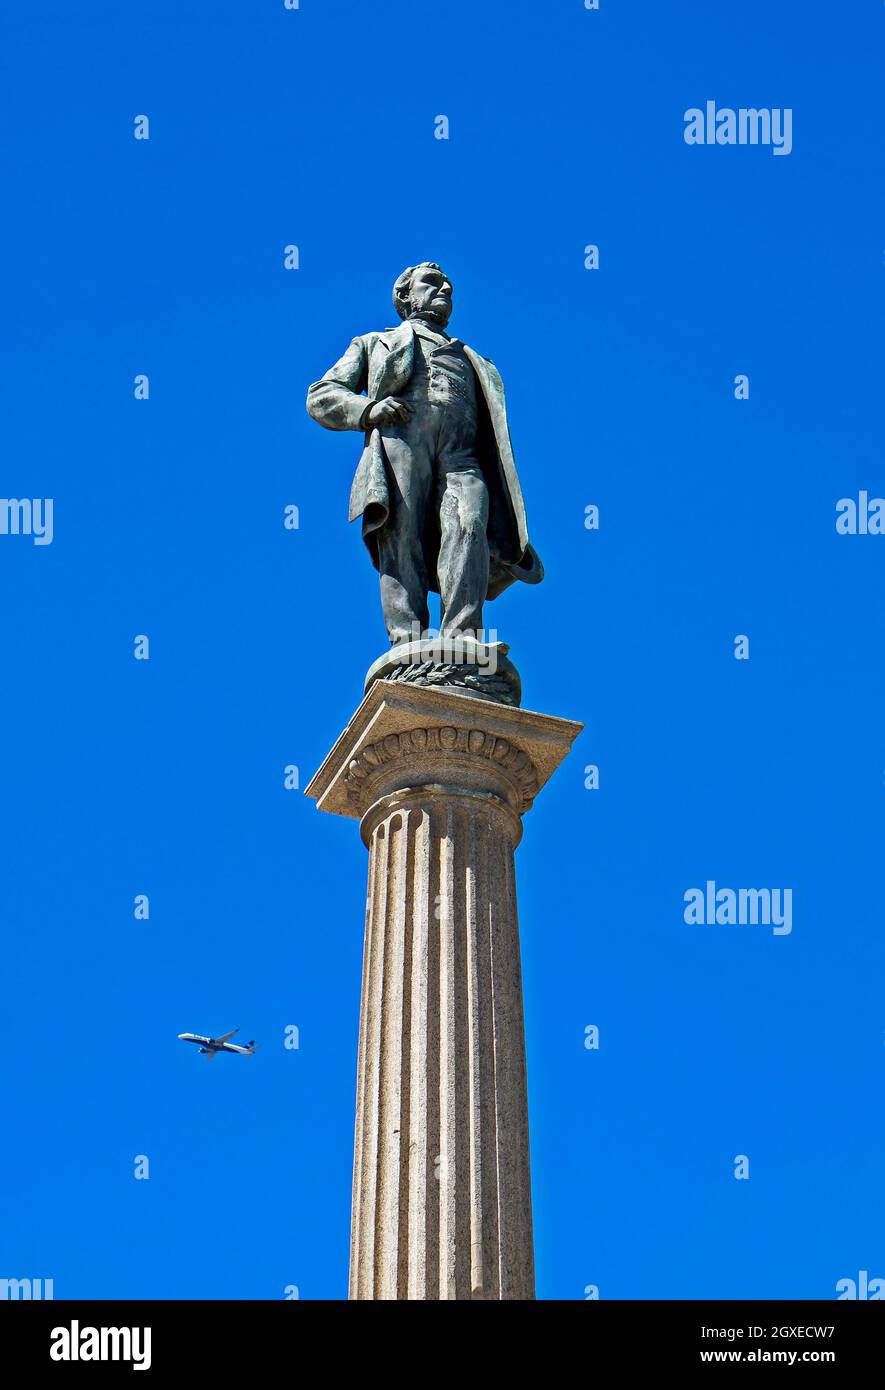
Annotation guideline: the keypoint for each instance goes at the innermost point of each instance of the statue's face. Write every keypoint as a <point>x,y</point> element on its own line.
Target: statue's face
<point>430,295</point>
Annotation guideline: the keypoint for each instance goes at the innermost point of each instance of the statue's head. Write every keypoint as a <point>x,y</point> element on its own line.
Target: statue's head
<point>422,291</point>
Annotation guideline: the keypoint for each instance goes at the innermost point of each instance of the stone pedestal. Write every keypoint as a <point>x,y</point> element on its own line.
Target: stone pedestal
<point>441,1187</point>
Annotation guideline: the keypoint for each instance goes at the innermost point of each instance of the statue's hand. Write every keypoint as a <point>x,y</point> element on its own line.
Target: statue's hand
<point>390,412</point>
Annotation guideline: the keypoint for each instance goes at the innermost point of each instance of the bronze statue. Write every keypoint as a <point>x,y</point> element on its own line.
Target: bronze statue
<point>436,486</point>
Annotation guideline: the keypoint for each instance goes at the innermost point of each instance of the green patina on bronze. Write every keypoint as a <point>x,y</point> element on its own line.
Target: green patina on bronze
<point>436,487</point>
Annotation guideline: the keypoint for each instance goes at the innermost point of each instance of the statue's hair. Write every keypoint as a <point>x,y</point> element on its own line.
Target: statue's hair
<point>404,283</point>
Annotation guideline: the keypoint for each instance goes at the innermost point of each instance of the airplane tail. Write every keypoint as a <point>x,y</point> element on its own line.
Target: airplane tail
<point>251,1046</point>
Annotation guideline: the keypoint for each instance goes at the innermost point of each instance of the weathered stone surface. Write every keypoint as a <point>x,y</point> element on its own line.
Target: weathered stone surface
<point>397,708</point>
<point>441,1196</point>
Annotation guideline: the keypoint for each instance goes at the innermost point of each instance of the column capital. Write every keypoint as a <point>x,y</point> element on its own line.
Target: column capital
<point>408,736</point>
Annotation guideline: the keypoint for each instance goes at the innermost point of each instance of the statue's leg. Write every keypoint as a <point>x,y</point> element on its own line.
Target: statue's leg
<point>400,551</point>
<point>463,566</point>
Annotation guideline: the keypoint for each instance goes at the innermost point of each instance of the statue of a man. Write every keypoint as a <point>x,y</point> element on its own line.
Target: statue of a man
<point>436,486</point>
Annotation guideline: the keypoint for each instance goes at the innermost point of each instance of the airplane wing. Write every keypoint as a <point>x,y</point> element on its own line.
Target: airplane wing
<point>210,1054</point>
<point>224,1037</point>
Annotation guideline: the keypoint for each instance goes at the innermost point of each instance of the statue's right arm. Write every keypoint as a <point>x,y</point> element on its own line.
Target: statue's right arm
<point>336,401</point>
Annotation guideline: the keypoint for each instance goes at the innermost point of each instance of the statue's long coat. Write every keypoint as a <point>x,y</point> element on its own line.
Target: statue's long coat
<point>381,365</point>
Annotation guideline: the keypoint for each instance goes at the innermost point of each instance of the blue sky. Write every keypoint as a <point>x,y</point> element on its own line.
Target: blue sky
<point>315,127</point>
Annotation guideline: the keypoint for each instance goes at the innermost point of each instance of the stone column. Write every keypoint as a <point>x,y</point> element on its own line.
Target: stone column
<point>441,1188</point>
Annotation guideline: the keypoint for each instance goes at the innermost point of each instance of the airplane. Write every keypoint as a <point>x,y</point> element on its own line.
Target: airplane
<point>210,1046</point>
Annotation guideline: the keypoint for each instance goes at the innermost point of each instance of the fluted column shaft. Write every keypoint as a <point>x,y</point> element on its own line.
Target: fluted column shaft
<point>442,1196</point>
<point>441,1187</point>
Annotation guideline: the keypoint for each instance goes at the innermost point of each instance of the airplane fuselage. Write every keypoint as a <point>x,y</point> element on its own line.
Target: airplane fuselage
<point>211,1045</point>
